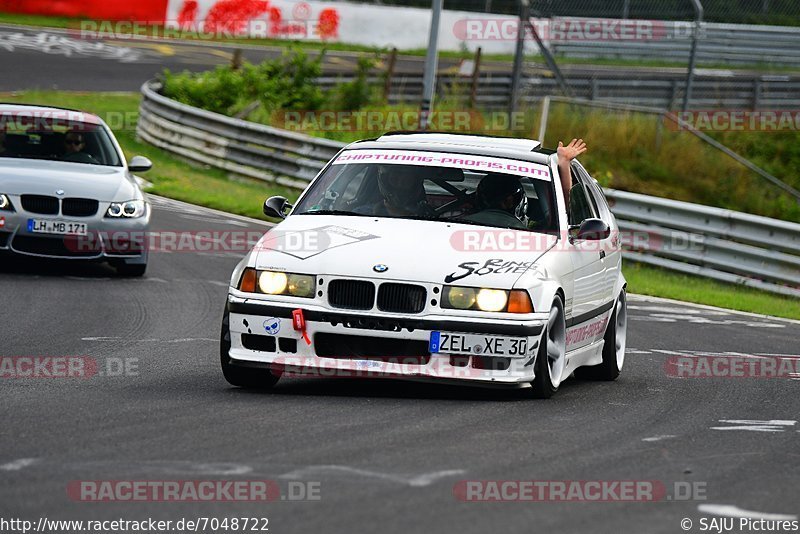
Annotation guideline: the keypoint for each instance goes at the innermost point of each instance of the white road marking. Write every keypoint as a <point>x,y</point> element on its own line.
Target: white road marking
<point>659,438</point>
<point>214,220</point>
<point>17,465</point>
<point>729,510</point>
<point>676,310</point>
<point>637,351</point>
<point>774,425</point>
<point>416,481</point>
<point>632,297</point>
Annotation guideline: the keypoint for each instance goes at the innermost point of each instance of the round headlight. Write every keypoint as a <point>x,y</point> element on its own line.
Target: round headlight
<point>492,300</point>
<point>272,283</point>
<point>130,209</point>
<point>4,202</point>
<point>301,285</point>
<point>462,298</point>
<point>115,210</point>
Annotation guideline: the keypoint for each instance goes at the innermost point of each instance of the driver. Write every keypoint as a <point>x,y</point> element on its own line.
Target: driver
<point>74,144</point>
<point>502,202</point>
<point>403,192</point>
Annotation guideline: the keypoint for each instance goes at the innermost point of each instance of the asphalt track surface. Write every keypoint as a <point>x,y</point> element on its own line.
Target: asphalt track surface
<point>387,455</point>
<point>35,58</point>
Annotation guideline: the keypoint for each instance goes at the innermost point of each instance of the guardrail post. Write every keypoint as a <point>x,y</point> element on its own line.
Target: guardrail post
<point>756,93</point>
<point>476,77</point>
<point>543,119</point>
<point>387,87</point>
<point>698,24</point>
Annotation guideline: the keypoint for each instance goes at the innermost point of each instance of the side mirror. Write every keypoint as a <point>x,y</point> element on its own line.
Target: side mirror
<point>140,164</point>
<point>593,230</point>
<point>276,207</point>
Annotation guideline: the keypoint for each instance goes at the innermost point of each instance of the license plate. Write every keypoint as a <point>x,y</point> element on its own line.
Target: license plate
<point>472,344</point>
<point>45,226</point>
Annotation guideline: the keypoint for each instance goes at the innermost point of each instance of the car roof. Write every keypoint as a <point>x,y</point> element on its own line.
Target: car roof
<point>476,145</point>
<point>50,112</point>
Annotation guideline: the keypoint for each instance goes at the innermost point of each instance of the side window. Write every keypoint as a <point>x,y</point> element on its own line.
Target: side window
<point>596,196</point>
<point>580,205</point>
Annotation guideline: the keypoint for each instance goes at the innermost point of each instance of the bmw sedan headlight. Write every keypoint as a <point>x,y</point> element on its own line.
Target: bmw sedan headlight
<point>488,300</point>
<point>5,203</point>
<point>132,209</point>
<point>277,283</point>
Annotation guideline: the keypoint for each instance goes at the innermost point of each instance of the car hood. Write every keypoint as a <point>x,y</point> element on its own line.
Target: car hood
<point>36,177</point>
<point>423,251</point>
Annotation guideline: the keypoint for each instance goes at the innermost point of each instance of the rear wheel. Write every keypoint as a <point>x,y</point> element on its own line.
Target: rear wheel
<point>237,375</point>
<point>614,344</point>
<point>551,359</point>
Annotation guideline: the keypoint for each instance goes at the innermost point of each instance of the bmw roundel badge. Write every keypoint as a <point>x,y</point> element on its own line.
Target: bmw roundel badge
<point>380,268</point>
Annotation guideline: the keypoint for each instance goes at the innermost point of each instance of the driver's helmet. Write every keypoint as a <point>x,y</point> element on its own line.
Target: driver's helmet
<point>401,185</point>
<point>494,190</point>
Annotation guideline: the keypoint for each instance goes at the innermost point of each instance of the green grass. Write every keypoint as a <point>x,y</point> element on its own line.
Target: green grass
<point>171,177</point>
<point>646,280</point>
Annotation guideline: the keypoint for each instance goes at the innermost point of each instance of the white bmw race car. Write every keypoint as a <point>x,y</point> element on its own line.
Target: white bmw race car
<point>433,257</point>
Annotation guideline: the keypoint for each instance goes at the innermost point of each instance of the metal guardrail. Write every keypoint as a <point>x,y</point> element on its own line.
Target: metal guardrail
<point>720,244</point>
<point>719,43</point>
<point>234,145</point>
<point>766,92</point>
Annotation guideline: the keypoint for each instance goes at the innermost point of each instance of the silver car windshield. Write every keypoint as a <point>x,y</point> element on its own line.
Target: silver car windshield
<point>74,142</point>
<point>451,194</point>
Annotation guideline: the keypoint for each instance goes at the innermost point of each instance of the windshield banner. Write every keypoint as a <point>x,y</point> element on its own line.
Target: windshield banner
<point>442,159</point>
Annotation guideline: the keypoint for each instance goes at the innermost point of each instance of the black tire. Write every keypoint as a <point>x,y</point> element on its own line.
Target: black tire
<point>611,367</point>
<point>128,270</point>
<point>543,386</point>
<point>237,375</point>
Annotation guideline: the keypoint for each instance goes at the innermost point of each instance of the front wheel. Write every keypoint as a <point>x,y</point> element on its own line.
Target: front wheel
<point>614,345</point>
<point>243,377</point>
<point>551,358</point>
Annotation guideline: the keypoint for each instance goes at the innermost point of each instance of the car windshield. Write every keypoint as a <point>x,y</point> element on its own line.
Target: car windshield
<point>55,139</point>
<point>477,190</point>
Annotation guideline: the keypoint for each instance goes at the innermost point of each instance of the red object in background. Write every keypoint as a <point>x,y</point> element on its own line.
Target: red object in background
<point>140,10</point>
<point>188,14</point>
<point>233,15</point>
<point>329,23</point>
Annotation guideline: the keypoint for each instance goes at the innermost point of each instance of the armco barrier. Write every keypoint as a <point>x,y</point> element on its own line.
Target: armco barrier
<point>715,243</point>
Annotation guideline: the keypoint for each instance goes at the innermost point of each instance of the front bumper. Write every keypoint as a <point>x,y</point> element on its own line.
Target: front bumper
<point>108,239</point>
<point>262,335</point>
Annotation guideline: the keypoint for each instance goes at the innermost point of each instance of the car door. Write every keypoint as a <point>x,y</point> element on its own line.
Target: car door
<point>590,295</point>
<point>610,251</point>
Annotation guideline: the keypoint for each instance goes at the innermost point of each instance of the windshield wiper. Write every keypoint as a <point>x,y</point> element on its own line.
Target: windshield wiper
<point>333,212</point>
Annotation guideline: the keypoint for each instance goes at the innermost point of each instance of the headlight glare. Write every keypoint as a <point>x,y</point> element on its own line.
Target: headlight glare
<point>486,299</point>
<point>272,283</point>
<point>492,300</point>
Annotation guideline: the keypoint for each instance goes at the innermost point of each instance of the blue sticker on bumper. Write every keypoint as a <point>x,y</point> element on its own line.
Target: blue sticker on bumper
<point>435,343</point>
